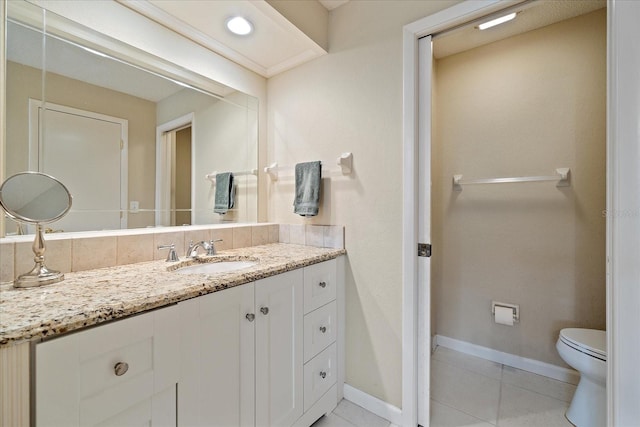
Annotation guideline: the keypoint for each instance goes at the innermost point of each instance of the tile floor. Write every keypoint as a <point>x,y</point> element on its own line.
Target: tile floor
<point>349,414</point>
<point>473,392</point>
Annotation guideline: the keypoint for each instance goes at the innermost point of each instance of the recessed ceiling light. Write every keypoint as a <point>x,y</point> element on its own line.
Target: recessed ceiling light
<point>239,25</point>
<point>497,21</point>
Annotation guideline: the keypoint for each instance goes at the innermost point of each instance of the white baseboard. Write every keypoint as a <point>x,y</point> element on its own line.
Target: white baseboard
<point>519,362</point>
<point>374,405</point>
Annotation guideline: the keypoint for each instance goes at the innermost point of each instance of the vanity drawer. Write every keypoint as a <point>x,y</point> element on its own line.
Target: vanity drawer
<point>319,375</point>
<point>319,285</point>
<point>319,330</point>
<point>121,364</point>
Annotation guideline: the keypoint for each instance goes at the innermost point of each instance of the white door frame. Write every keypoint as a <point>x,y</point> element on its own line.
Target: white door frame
<point>623,218</point>
<point>413,145</point>
<point>162,165</point>
<point>623,199</point>
<point>423,329</point>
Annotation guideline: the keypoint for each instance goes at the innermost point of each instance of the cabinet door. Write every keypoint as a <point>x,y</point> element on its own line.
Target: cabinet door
<point>279,349</point>
<point>217,359</point>
<point>122,373</point>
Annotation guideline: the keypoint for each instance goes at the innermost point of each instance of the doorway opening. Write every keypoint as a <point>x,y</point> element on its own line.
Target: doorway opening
<point>174,174</point>
<point>417,317</point>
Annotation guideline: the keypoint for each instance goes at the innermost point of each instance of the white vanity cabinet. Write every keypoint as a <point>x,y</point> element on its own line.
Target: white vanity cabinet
<point>123,373</point>
<point>251,356</point>
<point>322,338</point>
<point>217,359</point>
<point>241,355</point>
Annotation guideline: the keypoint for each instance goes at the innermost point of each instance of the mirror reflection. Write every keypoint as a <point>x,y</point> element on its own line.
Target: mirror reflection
<point>133,147</point>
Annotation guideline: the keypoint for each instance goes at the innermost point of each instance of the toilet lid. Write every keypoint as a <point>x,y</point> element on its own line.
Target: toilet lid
<point>589,341</point>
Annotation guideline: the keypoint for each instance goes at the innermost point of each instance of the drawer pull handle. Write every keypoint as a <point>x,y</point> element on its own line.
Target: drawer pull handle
<point>323,374</point>
<point>323,329</point>
<point>121,368</point>
<point>264,310</point>
<point>322,284</point>
<point>250,317</point>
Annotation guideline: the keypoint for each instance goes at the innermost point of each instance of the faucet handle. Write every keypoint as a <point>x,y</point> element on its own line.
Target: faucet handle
<point>172,256</point>
<point>211,249</point>
<point>189,249</point>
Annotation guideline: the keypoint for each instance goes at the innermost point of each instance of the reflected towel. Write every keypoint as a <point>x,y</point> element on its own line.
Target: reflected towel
<point>307,198</point>
<point>225,193</point>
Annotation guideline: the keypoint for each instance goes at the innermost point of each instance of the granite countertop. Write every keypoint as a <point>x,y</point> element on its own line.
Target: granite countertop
<point>91,297</point>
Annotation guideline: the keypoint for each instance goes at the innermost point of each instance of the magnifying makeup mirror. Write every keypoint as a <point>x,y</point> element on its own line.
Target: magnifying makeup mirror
<point>35,198</point>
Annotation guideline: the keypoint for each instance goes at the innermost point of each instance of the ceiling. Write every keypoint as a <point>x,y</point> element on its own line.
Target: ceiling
<point>274,46</point>
<point>531,15</point>
<point>277,45</point>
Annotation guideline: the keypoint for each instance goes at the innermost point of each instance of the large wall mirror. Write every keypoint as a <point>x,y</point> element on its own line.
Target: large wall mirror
<point>136,140</point>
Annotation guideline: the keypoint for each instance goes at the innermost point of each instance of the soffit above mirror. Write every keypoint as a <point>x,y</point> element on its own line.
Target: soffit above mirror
<point>531,14</point>
<point>275,45</point>
<point>332,4</point>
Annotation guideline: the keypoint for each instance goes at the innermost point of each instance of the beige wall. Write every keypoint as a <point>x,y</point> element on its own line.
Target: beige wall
<point>24,82</point>
<point>522,106</point>
<point>351,100</point>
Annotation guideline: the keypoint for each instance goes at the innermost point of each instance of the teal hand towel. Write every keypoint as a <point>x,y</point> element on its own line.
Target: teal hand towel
<point>307,197</point>
<point>224,198</point>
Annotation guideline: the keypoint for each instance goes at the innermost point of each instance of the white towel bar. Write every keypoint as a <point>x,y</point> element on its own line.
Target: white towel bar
<point>212,176</point>
<point>345,162</point>
<point>562,177</point>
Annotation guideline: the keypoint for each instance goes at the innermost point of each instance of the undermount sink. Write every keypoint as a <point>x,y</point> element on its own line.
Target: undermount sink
<point>215,267</point>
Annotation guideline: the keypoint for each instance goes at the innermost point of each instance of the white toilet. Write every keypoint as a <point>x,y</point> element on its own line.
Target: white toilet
<point>586,351</point>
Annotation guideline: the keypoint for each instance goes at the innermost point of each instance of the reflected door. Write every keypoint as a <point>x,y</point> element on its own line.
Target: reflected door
<point>174,178</point>
<point>87,152</point>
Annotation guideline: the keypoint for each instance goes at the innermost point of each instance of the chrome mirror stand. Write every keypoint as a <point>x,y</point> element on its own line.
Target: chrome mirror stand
<point>39,274</point>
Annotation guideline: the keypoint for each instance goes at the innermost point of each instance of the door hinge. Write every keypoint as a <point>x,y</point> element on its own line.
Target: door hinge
<point>121,144</point>
<point>424,249</point>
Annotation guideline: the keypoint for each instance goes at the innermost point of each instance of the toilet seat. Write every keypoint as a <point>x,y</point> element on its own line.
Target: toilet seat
<point>591,342</point>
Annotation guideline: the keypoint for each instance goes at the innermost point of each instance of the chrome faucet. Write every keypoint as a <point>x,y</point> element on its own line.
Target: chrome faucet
<point>192,250</point>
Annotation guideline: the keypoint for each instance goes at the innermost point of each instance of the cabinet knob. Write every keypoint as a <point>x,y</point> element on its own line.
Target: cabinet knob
<point>250,317</point>
<point>322,284</point>
<point>323,329</point>
<point>121,368</point>
<point>323,374</point>
<point>264,310</point>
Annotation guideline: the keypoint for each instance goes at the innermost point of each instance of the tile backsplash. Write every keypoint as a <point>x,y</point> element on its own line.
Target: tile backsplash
<point>88,250</point>
<point>322,236</point>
